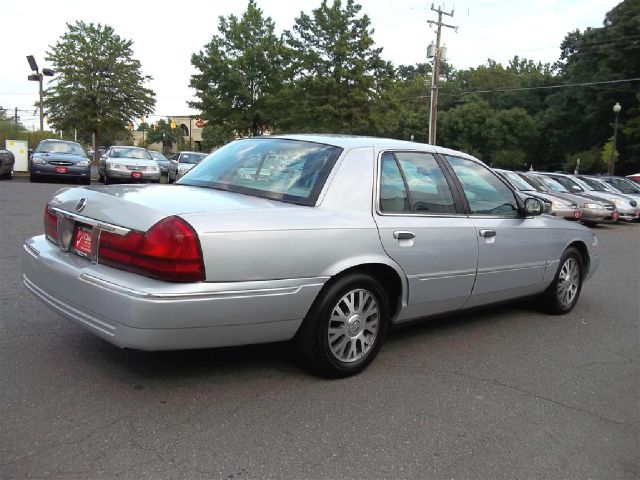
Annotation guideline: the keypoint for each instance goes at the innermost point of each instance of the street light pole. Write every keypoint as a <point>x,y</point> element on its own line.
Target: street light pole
<point>616,110</point>
<point>37,77</point>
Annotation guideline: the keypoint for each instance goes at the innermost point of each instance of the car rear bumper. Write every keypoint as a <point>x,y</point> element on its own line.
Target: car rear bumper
<point>131,311</point>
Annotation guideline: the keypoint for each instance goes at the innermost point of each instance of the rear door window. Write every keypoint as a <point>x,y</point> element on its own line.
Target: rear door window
<point>414,182</point>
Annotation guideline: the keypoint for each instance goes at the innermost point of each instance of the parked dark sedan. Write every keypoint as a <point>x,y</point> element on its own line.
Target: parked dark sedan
<point>7,160</point>
<point>59,159</point>
<point>161,160</point>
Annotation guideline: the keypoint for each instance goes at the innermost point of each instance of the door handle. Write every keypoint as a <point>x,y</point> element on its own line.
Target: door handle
<point>487,233</point>
<point>403,235</point>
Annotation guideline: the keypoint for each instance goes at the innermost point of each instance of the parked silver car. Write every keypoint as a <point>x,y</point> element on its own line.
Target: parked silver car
<point>594,209</point>
<point>558,206</point>
<point>622,185</point>
<point>323,240</point>
<point>127,164</point>
<point>181,163</point>
<point>626,205</point>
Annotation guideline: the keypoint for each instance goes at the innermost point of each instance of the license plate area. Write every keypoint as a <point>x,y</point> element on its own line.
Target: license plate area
<point>62,169</point>
<point>615,215</point>
<point>136,174</point>
<point>82,241</point>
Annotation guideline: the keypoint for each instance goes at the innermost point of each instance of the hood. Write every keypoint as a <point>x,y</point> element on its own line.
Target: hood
<point>60,157</point>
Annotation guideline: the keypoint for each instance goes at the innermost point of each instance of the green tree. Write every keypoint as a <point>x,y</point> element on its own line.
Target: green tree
<point>337,75</point>
<point>98,86</point>
<point>581,117</point>
<point>162,132</point>
<point>240,73</point>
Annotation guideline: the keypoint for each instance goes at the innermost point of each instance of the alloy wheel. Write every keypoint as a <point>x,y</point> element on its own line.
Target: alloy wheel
<point>568,281</point>
<point>354,325</point>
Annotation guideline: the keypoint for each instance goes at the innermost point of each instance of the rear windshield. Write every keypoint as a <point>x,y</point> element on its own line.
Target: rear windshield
<point>287,170</point>
<point>137,153</point>
<point>192,158</point>
<point>61,147</point>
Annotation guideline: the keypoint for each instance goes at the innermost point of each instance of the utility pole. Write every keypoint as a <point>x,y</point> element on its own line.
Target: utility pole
<point>435,72</point>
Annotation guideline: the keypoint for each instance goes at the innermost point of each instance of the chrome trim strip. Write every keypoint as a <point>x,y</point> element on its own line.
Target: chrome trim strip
<point>512,269</point>
<point>108,227</point>
<point>31,250</point>
<point>194,295</point>
<point>439,275</point>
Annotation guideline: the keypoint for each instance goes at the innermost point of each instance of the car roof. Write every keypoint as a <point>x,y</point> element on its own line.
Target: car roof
<point>59,140</point>
<point>355,141</point>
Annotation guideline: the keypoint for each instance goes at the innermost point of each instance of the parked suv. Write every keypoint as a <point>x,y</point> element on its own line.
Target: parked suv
<point>59,159</point>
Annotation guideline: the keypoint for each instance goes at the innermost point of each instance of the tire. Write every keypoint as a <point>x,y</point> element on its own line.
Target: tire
<point>169,179</point>
<point>33,178</point>
<point>563,293</point>
<point>100,177</point>
<point>334,345</point>
<point>107,180</point>
<point>86,181</point>
<point>589,223</point>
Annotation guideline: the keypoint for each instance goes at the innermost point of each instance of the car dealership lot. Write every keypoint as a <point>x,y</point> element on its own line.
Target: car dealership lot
<point>506,392</point>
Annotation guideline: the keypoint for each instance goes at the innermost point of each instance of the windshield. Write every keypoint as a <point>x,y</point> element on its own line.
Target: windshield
<point>137,153</point>
<point>517,180</point>
<point>279,169</point>
<point>157,156</point>
<point>594,184</point>
<point>61,147</point>
<point>568,183</point>
<point>535,182</point>
<point>191,158</point>
<point>624,185</point>
<point>552,184</point>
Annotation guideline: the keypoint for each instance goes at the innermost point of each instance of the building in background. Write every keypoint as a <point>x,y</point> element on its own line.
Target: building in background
<point>191,128</point>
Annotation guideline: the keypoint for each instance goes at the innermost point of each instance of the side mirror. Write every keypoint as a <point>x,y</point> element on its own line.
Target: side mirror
<point>532,206</point>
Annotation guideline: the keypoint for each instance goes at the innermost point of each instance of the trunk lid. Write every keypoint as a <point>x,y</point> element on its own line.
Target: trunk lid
<point>139,207</point>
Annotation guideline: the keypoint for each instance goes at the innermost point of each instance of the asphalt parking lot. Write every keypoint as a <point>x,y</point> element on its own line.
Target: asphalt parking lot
<point>507,392</point>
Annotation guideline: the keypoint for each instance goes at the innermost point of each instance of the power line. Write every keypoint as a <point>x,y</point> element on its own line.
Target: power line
<point>544,87</point>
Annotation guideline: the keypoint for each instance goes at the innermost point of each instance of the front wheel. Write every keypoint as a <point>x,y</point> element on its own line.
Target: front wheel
<point>345,327</point>
<point>563,293</point>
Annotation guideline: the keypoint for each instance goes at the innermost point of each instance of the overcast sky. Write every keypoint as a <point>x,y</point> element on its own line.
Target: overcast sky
<point>166,34</point>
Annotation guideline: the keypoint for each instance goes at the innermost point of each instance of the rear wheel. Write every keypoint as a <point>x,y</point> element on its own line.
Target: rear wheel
<point>33,178</point>
<point>345,327</point>
<point>562,295</point>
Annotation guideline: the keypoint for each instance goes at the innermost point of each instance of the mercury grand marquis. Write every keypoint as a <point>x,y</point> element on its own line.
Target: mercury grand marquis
<point>324,240</point>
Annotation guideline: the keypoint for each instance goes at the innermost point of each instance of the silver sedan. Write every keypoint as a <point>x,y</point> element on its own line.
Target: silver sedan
<point>327,241</point>
<point>128,164</point>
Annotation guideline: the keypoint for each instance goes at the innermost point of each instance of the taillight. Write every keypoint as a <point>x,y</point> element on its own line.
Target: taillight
<point>170,250</point>
<point>50,224</point>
